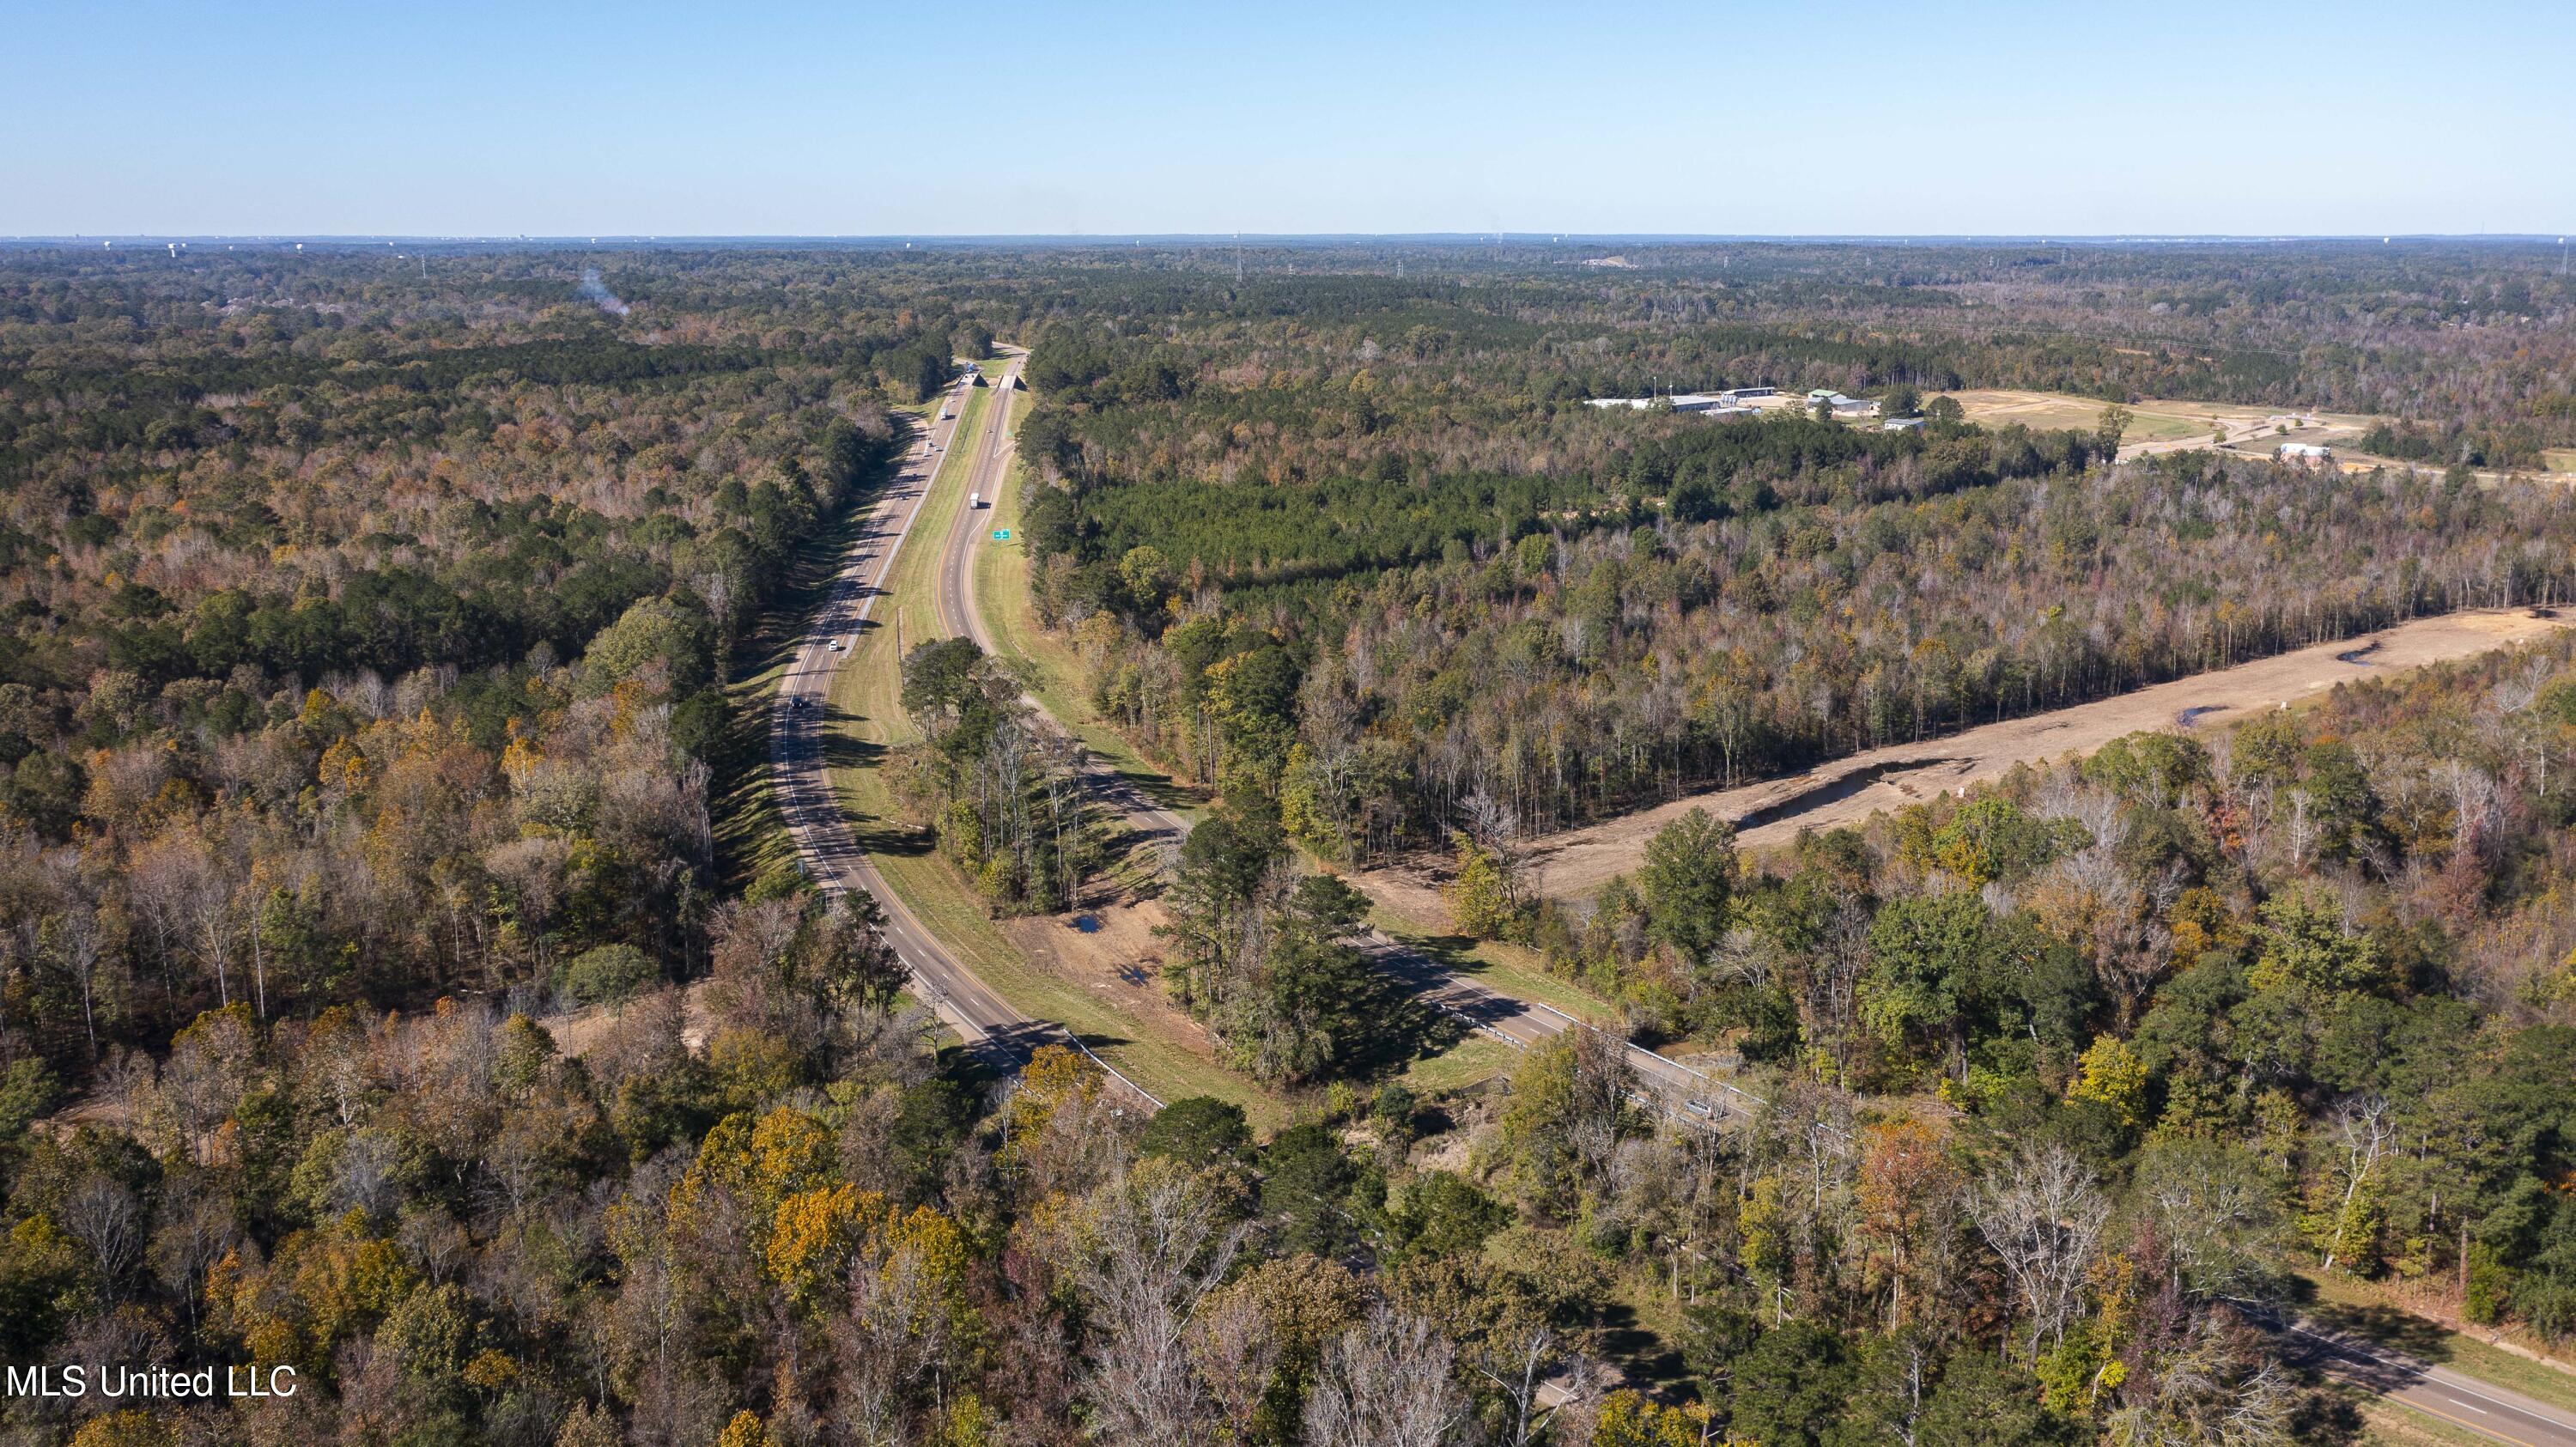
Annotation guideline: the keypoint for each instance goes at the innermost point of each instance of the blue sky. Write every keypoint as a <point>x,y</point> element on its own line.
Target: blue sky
<point>858,119</point>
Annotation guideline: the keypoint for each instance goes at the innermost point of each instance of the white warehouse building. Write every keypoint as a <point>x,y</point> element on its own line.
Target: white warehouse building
<point>1722,403</point>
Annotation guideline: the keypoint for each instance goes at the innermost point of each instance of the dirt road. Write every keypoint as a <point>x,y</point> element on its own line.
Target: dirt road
<point>1577,862</point>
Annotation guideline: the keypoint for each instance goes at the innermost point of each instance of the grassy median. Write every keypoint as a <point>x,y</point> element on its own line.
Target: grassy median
<point>1049,666</point>
<point>868,718</point>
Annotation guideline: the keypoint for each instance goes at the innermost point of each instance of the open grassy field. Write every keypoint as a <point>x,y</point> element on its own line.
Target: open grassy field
<point>867,698</point>
<point>2046,410</point>
<point>2559,459</point>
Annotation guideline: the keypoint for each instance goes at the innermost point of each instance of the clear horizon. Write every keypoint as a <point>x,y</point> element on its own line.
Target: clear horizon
<point>1989,120</point>
<point>1286,239</point>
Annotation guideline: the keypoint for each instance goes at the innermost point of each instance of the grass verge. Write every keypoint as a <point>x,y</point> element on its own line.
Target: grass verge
<point>1506,969</point>
<point>868,719</point>
<point>1049,667</point>
<point>751,837</point>
<point>2385,1423</point>
<point>2364,1310</point>
<point>1474,1060</point>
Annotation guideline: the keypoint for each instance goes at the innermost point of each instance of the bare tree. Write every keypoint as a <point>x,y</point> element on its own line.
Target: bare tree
<point>1387,1383</point>
<point>191,1240</point>
<point>2477,805</point>
<point>895,1338</point>
<point>106,1218</point>
<point>2208,1216</point>
<point>1494,828</point>
<point>166,878</point>
<point>2363,1128</point>
<point>78,945</point>
<point>1156,1247</point>
<point>2043,1216</point>
<point>2508,721</point>
<point>2220,1390</point>
<point>1518,1361</point>
<point>717,587</point>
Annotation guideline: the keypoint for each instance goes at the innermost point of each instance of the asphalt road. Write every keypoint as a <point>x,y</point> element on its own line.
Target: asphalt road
<point>1677,1089</point>
<point>829,850</point>
<point>2463,1401</point>
<point>960,615</point>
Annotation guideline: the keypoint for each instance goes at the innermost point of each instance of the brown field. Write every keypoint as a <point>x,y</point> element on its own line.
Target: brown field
<point>2044,410</point>
<point>2162,422</point>
<point>1119,962</point>
<point>577,1032</point>
<point>1575,863</point>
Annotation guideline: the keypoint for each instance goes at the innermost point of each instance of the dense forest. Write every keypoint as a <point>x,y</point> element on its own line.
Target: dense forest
<point>389,989</point>
<point>1475,585</point>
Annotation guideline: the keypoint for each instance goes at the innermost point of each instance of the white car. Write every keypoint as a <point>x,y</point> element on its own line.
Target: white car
<point>836,645</point>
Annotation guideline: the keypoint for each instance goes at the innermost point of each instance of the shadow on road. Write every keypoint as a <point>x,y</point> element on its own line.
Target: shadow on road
<point>2401,1331</point>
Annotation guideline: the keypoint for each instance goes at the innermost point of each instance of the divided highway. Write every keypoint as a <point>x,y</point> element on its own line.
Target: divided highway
<point>825,845</point>
<point>834,858</point>
<point>1676,1089</point>
<point>1683,1092</point>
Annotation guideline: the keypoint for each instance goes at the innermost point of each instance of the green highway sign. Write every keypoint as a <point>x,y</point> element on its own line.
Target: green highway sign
<point>1001,535</point>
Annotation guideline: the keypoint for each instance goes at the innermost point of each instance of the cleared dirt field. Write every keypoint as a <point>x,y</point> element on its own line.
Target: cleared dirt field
<point>1992,407</point>
<point>1576,863</point>
<point>1110,952</point>
<point>2163,422</point>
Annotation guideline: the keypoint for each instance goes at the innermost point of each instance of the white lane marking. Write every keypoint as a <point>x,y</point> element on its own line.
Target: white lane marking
<point>2456,1402</point>
<point>2426,1372</point>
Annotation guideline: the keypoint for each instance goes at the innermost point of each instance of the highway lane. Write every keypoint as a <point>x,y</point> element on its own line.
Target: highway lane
<point>2489,1411</point>
<point>825,844</point>
<point>1678,1090</point>
<point>961,615</point>
<point>1688,1095</point>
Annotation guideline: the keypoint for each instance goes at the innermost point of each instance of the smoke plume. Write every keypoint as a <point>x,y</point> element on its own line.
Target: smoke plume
<point>593,291</point>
